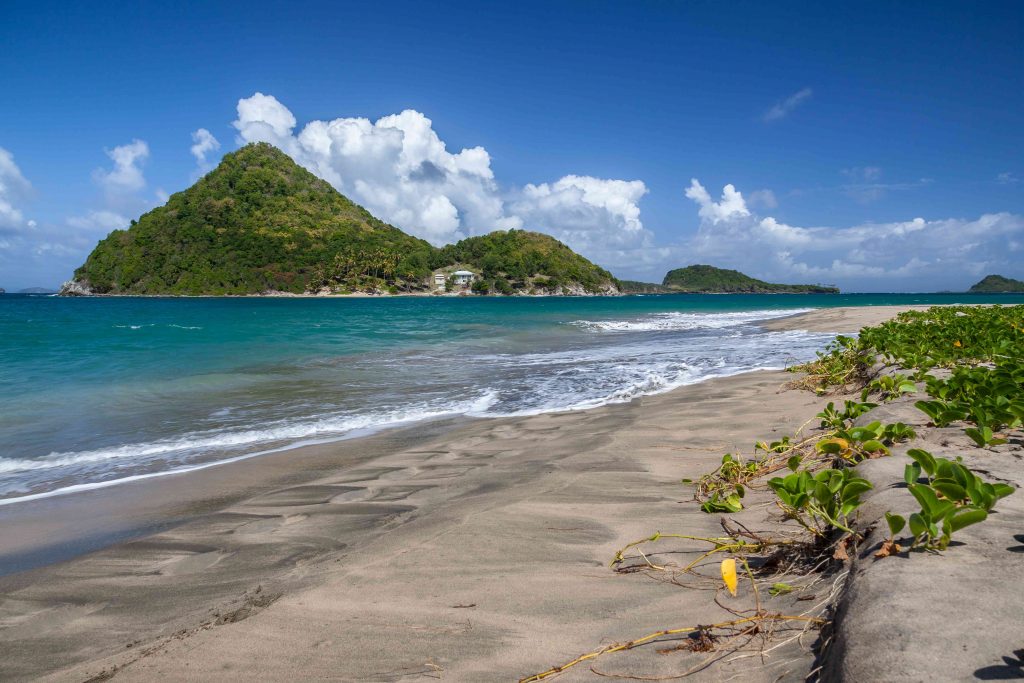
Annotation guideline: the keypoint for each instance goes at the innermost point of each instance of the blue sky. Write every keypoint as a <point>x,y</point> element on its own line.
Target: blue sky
<point>837,127</point>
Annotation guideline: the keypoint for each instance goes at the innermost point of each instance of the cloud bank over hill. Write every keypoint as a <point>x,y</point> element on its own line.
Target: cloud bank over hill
<point>402,171</point>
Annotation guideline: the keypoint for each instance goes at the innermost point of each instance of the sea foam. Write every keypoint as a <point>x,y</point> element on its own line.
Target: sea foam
<point>296,388</point>
<point>198,442</point>
<point>685,321</point>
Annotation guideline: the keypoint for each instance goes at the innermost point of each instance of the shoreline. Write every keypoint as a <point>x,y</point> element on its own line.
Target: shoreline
<point>461,293</point>
<point>360,433</point>
<point>424,517</point>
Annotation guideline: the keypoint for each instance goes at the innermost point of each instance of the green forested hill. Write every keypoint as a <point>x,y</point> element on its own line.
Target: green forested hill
<point>519,259</point>
<point>708,279</point>
<point>260,222</point>
<point>996,284</point>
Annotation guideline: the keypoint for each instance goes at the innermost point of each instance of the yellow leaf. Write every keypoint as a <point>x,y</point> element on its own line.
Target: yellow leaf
<point>958,345</point>
<point>729,574</point>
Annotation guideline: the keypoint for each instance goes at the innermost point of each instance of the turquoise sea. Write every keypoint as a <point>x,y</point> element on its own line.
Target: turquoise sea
<point>99,391</point>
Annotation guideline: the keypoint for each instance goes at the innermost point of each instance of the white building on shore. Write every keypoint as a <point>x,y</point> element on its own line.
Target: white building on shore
<point>460,279</point>
<point>463,278</point>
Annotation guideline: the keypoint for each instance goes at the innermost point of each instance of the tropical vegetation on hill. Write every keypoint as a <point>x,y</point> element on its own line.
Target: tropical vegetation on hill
<point>259,222</point>
<point>708,279</point>
<point>997,284</point>
<point>519,259</point>
<point>637,287</point>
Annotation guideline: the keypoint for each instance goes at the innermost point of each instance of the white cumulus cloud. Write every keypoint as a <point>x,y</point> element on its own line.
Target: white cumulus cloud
<point>13,188</point>
<point>203,143</point>
<point>126,175</point>
<point>585,211</point>
<point>911,255</point>
<point>731,205</point>
<point>400,169</point>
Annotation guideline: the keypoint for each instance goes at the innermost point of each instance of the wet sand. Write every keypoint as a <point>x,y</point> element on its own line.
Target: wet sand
<point>470,550</point>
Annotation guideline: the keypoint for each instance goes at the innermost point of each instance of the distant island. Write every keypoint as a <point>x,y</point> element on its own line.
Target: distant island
<point>261,224</point>
<point>703,279</point>
<point>997,284</point>
<point>31,290</point>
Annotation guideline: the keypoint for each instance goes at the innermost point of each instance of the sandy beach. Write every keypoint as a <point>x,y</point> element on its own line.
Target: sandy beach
<point>463,550</point>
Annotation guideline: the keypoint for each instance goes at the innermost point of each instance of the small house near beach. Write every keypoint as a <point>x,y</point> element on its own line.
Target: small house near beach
<point>463,278</point>
<point>450,279</point>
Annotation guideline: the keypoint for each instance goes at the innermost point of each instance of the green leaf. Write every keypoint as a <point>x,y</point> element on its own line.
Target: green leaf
<point>950,490</point>
<point>822,493</point>
<point>981,496</point>
<point>925,496</point>
<point>1002,490</point>
<point>824,476</point>
<point>918,525</point>
<point>895,522</point>
<point>922,458</point>
<point>966,517</point>
<point>943,468</point>
<point>874,446</point>
<point>941,509</point>
<point>855,488</point>
<point>963,475</point>
<point>830,447</point>
<point>976,436</point>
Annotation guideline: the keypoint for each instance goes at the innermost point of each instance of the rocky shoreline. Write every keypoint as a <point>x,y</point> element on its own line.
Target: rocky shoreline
<point>75,288</point>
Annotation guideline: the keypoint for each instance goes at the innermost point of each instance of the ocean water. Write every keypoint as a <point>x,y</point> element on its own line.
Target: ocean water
<point>100,391</point>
